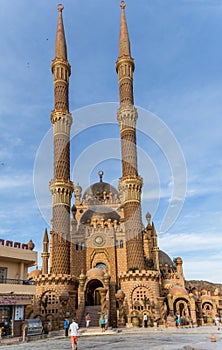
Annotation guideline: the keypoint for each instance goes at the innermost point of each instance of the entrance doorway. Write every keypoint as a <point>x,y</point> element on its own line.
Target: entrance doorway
<point>92,295</point>
<point>5,319</point>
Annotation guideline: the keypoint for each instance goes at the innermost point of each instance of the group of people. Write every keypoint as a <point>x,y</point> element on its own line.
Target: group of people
<point>71,329</point>
<point>104,322</point>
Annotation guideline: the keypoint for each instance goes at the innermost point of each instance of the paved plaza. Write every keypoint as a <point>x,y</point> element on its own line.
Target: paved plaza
<point>159,339</point>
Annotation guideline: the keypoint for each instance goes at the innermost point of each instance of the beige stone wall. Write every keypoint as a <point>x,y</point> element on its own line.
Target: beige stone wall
<point>145,279</point>
<point>59,293</point>
<point>121,259</point>
<point>13,257</point>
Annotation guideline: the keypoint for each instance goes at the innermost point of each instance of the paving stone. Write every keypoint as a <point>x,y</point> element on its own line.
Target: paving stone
<point>140,339</point>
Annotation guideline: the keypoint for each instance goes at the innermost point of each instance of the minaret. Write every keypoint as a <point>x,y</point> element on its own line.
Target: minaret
<point>130,184</point>
<point>61,187</point>
<point>45,253</point>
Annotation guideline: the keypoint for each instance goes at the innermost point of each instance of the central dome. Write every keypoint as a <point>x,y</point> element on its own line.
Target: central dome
<point>98,189</point>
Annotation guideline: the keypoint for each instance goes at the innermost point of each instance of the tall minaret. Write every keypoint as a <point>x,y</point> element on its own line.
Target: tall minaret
<point>45,253</point>
<point>130,184</point>
<point>61,187</point>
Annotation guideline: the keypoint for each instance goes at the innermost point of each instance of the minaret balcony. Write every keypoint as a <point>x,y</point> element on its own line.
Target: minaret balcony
<point>127,117</point>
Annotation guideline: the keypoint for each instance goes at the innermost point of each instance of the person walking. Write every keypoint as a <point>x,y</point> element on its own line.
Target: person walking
<point>102,323</point>
<point>66,326</point>
<point>145,320</point>
<point>106,318</point>
<point>73,328</point>
<point>178,320</point>
<point>217,322</point>
<point>87,318</point>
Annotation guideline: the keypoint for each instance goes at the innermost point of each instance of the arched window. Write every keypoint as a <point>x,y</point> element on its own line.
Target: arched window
<point>101,266</point>
<point>117,244</point>
<point>121,243</point>
<point>77,246</point>
<point>82,246</point>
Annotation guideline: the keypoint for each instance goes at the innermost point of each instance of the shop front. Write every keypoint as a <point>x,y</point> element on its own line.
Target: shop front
<point>12,313</point>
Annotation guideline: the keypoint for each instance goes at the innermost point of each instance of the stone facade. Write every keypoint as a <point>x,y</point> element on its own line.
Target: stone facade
<point>103,258</point>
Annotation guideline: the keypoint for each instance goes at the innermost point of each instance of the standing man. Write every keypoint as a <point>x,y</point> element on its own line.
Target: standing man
<point>66,326</point>
<point>145,320</point>
<point>73,328</point>
<point>106,318</point>
<point>217,322</point>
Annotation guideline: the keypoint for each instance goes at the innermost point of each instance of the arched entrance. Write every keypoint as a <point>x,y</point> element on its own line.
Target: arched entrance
<point>92,295</point>
<point>207,310</point>
<point>182,307</point>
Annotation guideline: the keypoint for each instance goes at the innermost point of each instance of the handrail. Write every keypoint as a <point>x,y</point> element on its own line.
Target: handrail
<point>16,281</point>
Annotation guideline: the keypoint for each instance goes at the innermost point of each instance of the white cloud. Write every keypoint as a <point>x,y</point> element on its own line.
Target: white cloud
<point>15,181</point>
<point>190,242</point>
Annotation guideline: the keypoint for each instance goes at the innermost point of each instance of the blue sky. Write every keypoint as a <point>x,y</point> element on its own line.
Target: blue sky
<point>178,83</point>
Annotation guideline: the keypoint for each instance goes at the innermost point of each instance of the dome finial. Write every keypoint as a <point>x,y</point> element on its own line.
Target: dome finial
<point>122,5</point>
<point>60,7</point>
<point>101,173</point>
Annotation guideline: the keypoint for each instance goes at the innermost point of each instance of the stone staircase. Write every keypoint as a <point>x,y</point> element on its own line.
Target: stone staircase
<point>94,313</point>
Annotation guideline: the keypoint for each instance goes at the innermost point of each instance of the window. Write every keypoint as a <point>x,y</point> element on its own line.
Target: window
<point>121,244</point>
<point>140,299</point>
<point>101,266</point>
<point>117,244</point>
<point>3,274</point>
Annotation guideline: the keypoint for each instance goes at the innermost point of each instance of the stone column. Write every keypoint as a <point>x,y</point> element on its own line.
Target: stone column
<point>120,295</point>
<point>103,292</point>
<point>200,316</point>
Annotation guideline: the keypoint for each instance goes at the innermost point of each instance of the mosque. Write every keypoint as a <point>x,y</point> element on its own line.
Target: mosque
<point>99,257</point>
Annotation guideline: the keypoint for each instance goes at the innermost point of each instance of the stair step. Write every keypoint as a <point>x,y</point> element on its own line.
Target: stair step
<point>94,312</point>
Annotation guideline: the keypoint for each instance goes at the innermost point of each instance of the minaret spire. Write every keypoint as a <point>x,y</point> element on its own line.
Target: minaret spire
<point>60,46</point>
<point>61,187</point>
<point>124,42</point>
<point>125,63</point>
<point>130,184</point>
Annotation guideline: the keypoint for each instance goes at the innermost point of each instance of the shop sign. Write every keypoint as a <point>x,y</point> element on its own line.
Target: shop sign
<point>15,299</point>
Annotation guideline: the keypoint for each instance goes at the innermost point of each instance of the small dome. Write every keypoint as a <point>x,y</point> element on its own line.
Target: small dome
<point>31,245</point>
<point>178,260</point>
<point>164,259</point>
<point>99,212</point>
<point>95,272</point>
<point>34,273</point>
<point>120,294</point>
<point>178,291</point>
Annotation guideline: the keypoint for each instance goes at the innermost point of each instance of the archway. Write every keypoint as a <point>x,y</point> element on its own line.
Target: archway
<point>207,310</point>
<point>182,307</point>
<point>92,295</point>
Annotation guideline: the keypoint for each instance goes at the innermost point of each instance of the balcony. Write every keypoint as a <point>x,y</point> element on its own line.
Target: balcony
<point>17,286</point>
<point>16,281</point>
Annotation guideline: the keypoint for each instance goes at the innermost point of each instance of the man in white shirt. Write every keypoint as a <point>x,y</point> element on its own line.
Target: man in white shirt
<point>217,322</point>
<point>73,329</point>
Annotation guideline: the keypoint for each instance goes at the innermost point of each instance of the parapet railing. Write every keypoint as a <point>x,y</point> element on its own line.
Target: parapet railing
<point>16,281</point>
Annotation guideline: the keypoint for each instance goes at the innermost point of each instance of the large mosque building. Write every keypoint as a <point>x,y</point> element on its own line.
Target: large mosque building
<point>99,256</point>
